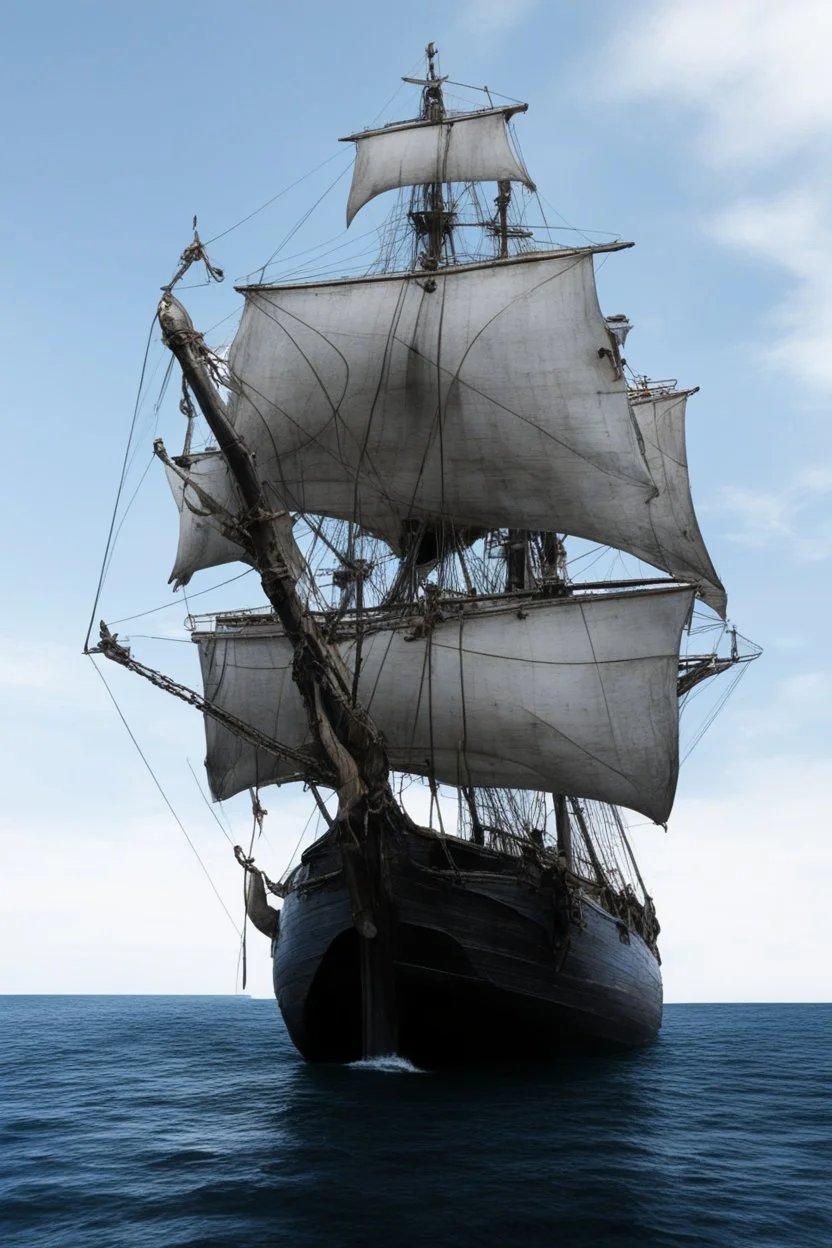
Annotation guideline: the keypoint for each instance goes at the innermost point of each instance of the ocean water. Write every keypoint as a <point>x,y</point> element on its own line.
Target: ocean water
<point>151,1122</point>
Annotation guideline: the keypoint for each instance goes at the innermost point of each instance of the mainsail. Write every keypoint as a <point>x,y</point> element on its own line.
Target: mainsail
<point>486,400</point>
<point>466,147</point>
<point>575,695</point>
<point>664,533</point>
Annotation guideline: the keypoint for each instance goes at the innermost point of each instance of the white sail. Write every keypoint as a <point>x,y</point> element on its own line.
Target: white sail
<point>202,541</point>
<point>668,534</point>
<point>468,147</point>
<point>567,695</point>
<point>673,526</point>
<point>483,396</point>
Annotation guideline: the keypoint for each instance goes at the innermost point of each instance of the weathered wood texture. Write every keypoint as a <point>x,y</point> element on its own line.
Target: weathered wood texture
<point>493,960</point>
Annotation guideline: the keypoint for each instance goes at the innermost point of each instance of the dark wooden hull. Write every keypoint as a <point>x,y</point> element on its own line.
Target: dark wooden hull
<point>495,960</point>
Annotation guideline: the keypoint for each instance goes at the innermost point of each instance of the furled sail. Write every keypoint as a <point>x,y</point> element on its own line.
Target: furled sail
<point>661,419</point>
<point>467,147</point>
<point>483,396</point>
<point>575,695</point>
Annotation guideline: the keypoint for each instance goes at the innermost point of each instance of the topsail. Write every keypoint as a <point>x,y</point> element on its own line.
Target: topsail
<point>493,400</point>
<point>467,147</point>
<point>487,395</point>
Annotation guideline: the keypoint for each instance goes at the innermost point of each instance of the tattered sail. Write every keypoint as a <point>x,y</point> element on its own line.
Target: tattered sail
<point>568,695</point>
<point>467,147</point>
<point>661,420</point>
<point>484,396</point>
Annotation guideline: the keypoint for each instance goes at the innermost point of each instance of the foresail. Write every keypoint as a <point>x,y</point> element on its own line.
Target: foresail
<point>469,147</point>
<point>568,695</point>
<point>206,497</point>
<point>481,397</point>
<point>674,530</point>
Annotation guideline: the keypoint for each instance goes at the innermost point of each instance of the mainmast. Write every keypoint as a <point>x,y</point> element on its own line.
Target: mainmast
<point>433,221</point>
<point>501,203</point>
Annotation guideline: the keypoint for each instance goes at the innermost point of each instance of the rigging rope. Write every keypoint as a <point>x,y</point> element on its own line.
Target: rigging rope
<point>292,185</point>
<point>125,619</point>
<point>741,670</point>
<point>122,478</point>
<point>274,198</point>
<point>288,237</point>
<point>208,804</point>
<point>112,649</point>
<point>162,792</point>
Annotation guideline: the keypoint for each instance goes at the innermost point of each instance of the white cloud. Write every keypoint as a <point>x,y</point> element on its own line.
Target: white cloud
<point>741,884</point>
<point>760,519</point>
<point>808,689</point>
<point>121,904</point>
<point>798,707</point>
<point>791,231</point>
<point>758,70</point>
<point>756,74</point>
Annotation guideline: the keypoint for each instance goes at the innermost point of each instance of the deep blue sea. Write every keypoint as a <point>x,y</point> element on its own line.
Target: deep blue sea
<point>162,1121</point>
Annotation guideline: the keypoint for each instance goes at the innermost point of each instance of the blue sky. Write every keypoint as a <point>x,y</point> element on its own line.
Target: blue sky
<point>697,129</point>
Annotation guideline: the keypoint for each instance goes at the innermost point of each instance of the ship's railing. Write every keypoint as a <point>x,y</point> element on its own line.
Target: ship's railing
<point>644,388</point>
<point>445,603</point>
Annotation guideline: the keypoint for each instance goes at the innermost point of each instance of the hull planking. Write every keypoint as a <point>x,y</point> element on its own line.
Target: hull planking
<point>495,959</point>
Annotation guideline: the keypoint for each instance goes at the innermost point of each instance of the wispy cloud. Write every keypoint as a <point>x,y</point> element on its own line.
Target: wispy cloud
<point>723,866</point>
<point>760,518</point>
<point>756,75</point>
<point>757,70</point>
<point>791,230</point>
<point>797,707</point>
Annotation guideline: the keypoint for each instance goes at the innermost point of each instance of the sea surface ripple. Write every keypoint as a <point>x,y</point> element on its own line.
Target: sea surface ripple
<point>173,1121</point>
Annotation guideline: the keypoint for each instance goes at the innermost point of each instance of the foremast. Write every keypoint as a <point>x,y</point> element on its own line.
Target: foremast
<point>345,734</point>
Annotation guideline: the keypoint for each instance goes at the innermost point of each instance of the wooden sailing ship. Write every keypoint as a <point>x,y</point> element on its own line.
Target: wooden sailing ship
<point>435,432</point>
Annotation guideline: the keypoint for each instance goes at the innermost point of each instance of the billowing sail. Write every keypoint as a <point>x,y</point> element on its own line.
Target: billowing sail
<point>575,695</point>
<point>675,532</point>
<point>202,542</point>
<point>669,534</point>
<point>483,396</point>
<point>468,147</point>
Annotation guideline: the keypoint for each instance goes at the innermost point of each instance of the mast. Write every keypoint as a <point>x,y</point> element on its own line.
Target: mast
<point>587,839</point>
<point>564,829</point>
<point>434,110</point>
<point>432,222</point>
<point>516,554</point>
<point>502,202</point>
<point>346,735</point>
